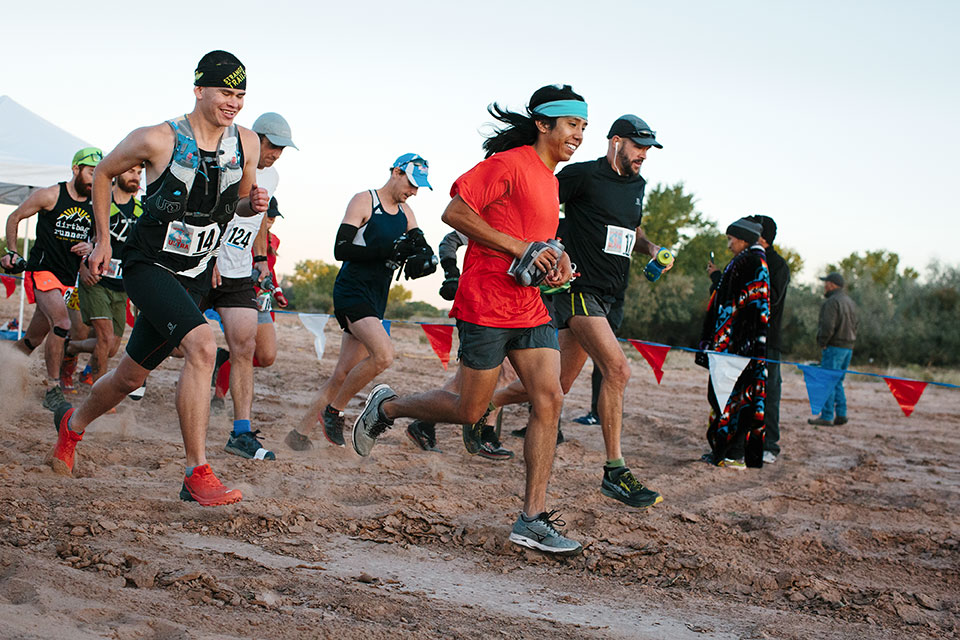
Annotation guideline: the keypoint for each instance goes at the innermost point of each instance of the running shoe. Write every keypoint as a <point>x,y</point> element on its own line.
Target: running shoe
<point>520,433</point>
<point>371,423</point>
<point>333,425</point>
<point>731,463</point>
<point>589,419</point>
<point>473,433</point>
<point>247,445</point>
<point>203,487</point>
<point>297,441</point>
<point>53,398</point>
<point>67,368</point>
<point>135,395</point>
<point>490,446</point>
<point>63,456</point>
<point>820,422</point>
<point>222,356</point>
<point>839,420</point>
<point>769,457</point>
<point>541,533</point>
<point>620,484</point>
<point>424,435</point>
<point>86,376</point>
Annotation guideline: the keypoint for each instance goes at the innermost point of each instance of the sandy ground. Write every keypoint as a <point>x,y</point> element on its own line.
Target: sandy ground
<point>853,533</point>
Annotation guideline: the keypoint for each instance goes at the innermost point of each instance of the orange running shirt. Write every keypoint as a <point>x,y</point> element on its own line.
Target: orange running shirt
<point>515,193</point>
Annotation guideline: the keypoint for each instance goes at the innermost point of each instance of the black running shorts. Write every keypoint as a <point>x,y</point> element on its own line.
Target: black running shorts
<point>354,313</point>
<point>233,293</point>
<point>485,348</point>
<point>568,304</point>
<point>168,311</point>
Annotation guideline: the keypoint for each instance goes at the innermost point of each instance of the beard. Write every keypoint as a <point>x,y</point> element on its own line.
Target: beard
<point>83,188</point>
<point>626,167</point>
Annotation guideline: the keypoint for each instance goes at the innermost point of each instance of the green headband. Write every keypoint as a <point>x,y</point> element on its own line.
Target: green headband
<point>560,108</point>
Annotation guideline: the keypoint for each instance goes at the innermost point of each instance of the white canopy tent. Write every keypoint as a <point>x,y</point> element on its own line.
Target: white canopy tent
<point>34,154</point>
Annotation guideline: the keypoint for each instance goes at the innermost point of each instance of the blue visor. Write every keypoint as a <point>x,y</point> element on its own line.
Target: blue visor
<point>560,108</point>
<point>416,169</point>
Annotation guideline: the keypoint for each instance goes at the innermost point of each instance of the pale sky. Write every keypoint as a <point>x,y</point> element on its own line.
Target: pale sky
<point>838,119</point>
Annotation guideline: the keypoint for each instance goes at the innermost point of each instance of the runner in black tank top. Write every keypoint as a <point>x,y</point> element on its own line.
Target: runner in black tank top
<point>167,260</point>
<point>63,228</point>
<point>373,222</point>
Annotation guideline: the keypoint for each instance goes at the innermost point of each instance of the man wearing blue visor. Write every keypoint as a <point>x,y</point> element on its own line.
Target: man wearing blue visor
<point>379,235</point>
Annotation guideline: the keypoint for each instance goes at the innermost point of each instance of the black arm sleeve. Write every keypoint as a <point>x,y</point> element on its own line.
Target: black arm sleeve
<point>344,249</point>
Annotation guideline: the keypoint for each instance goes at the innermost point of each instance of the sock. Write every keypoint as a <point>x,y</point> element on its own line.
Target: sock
<point>332,411</point>
<point>613,464</point>
<point>526,518</point>
<point>71,428</point>
<point>241,426</point>
<point>189,471</point>
<point>256,362</point>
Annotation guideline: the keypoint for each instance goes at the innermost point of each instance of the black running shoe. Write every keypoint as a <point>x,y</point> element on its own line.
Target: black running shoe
<point>333,426</point>
<point>247,445</point>
<point>473,433</point>
<point>520,433</point>
<point>424,435</point>
<point>490,446</point>
<point>222,356</point>
<point>620,484</point>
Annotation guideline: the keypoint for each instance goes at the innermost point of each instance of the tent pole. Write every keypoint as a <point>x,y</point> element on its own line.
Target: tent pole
<point>23,290</point>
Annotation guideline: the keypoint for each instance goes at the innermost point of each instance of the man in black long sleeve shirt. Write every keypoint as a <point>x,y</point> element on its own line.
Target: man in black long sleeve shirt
<point>779,280</point>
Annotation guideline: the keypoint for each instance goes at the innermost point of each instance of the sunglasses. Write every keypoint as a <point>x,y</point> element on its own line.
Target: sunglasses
<point>643,133</point>
<point>417,162</point>
<point>96,155</point>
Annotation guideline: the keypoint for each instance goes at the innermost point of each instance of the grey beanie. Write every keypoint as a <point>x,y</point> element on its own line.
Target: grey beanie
<point>745,230</point>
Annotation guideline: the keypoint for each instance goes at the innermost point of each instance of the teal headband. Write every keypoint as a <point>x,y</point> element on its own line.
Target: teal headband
<point>559,108</point>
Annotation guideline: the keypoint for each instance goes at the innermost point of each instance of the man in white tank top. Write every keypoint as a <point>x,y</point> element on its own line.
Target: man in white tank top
<point>234,296</point>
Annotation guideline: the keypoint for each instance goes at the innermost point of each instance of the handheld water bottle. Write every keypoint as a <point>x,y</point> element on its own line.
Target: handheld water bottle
<point>657,264</point>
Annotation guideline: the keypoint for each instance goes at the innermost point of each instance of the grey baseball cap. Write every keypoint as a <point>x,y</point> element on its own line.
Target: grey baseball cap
<point>630,126</point>
<point>275,127</point>
<point>835,278</point>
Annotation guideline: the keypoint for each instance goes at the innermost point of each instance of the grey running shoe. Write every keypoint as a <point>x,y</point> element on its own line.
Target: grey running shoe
<point>297,441</point>
<point>769,457</point>
<point>333,426</point>
<point>620,484</point>
<point>424,435</point>
<point>541,534</point>
<point>247,445</point>
<point>371,423</point>
<point>473,433</point>
<point>53,398</point>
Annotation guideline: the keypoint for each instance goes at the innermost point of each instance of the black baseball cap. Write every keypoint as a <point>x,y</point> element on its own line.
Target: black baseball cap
<point>835,278</point>
<point>272,209</point>
<point>630,126</point>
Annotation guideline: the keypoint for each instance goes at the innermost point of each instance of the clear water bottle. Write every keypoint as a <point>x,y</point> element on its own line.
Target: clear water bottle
<point>657,264</point>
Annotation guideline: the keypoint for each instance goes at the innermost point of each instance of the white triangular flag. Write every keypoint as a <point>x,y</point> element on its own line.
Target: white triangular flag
<point>725,370</point>
<point>315,322</point>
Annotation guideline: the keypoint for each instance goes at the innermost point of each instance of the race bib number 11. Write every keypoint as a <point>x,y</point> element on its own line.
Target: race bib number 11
<point>190,240</point>
<point>620,241</point>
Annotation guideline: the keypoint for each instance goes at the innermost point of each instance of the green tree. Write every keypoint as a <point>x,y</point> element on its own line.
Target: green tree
<point>311,286</point>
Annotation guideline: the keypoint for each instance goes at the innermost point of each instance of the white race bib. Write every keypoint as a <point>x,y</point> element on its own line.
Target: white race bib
<point>620,241</point>
<point>113,269</point>
<point>189,240</point>
<point>238,238</point>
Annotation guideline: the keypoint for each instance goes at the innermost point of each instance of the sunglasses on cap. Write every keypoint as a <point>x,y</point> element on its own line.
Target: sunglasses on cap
<point>642,133</point>
<point>96,155</point>
<point>417,162</point>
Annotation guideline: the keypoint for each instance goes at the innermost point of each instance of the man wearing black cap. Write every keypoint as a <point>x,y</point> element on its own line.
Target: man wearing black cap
<point>836,334</point>
<point>244,252</point>
<point>779,280</point>
<point>601,231</point>
<point>201,171</point>
<point>736,323</point>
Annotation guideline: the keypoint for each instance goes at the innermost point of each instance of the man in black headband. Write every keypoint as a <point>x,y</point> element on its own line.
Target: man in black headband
<point>201,171</point>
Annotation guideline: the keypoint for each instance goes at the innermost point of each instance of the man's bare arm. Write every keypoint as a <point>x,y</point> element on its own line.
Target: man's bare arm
<point>253,199</point>
<point>37,201</point>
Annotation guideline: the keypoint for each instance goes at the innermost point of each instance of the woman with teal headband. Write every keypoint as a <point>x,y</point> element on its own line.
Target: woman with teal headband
<point>546,105</point>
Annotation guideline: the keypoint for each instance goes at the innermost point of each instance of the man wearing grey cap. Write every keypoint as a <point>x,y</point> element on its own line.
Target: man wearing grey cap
<point>836,333</point>
<point>242,253</point>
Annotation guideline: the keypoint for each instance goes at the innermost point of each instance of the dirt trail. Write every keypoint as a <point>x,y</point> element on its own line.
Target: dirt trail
<point>853,533</point>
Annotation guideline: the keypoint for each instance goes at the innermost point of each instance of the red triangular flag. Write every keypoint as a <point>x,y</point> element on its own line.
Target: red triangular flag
<point>655,354</point>
<point>441,339</point>
<point>130,317</point>
<point>9,284</point>
<point>907,393</point>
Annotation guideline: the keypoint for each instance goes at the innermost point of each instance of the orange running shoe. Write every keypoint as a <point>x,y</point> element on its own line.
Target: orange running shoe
<point>86,376</point>
<point>62,459</point>
<point>67,368</point>
<point>204,487</point>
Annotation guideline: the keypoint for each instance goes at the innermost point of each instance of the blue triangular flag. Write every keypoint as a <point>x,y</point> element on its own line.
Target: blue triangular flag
<point>820,382</point>
<point>386,326</point>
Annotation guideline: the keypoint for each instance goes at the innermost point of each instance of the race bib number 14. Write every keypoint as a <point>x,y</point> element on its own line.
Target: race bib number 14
<point>620,241</point>
<point>190,240</point>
